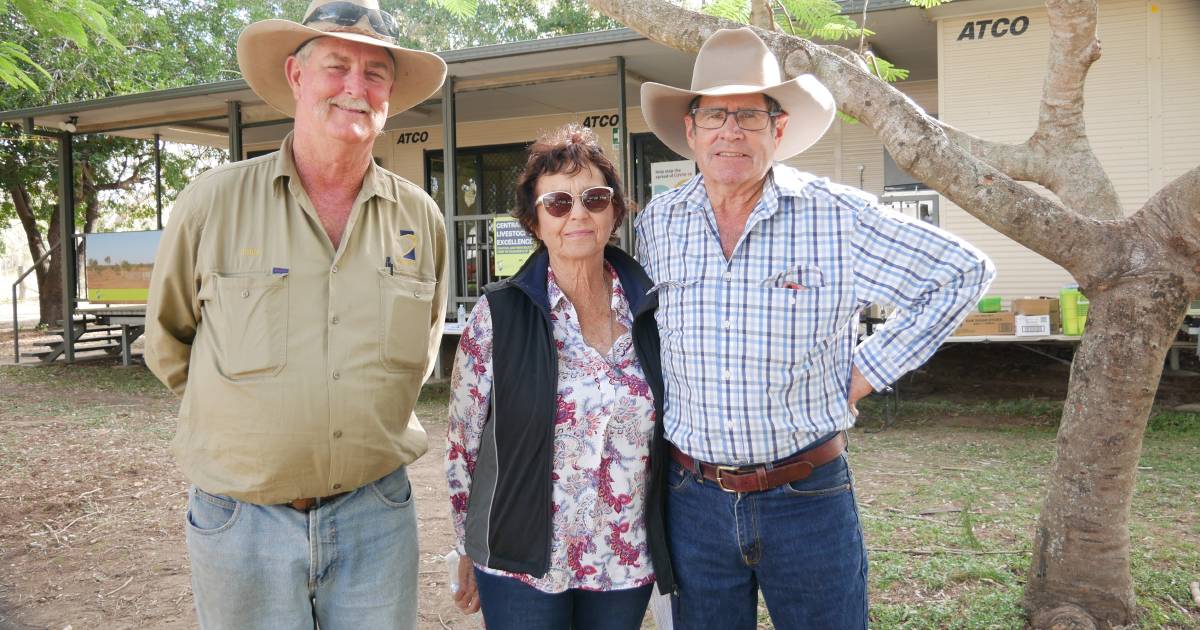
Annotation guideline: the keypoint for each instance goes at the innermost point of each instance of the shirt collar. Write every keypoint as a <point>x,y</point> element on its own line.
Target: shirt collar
<point>374,183</point>
<point>779,183</point>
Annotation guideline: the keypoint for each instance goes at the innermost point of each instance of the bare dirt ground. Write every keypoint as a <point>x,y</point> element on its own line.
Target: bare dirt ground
<point>92,506</point>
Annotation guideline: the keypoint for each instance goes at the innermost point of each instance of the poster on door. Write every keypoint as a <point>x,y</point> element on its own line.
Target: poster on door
<point>513,245</point>
<point>667,175</point>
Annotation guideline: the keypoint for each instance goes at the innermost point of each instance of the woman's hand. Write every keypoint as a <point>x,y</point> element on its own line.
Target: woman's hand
<point>467,597</point>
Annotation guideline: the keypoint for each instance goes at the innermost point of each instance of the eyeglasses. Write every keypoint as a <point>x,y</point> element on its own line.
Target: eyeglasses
<point>559,203</point>
<point>348,14</point>
<point>747,119</point>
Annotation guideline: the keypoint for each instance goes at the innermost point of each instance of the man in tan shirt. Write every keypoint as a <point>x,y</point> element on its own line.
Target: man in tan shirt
<point>296,305</point>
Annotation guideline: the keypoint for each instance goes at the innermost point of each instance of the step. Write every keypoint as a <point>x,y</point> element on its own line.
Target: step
<point>83,342</point>
<point>108,347</point>
<point>89,328</point>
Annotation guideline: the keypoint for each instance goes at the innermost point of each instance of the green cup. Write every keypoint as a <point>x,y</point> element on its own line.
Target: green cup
<point>1068,303</point>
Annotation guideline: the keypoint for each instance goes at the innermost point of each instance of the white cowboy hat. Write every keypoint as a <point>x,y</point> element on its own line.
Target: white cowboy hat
<point>264,46</point>
<point>736,61</point>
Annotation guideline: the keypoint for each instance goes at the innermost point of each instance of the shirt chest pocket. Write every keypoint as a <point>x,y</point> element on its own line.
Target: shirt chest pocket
<point>802,312</point>
<point>405,309</point>
<point>246,317</point>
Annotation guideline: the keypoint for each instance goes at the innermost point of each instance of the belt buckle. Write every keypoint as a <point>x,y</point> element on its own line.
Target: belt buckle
<point>720,482</point>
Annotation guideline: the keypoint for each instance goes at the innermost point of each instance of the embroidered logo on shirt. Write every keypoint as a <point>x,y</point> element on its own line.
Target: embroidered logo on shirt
<point>408,245</point>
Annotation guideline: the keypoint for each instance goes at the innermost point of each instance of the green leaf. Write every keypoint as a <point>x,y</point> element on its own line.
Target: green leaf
<point>459,8</point>
<point>13,76</point>
<point>819,19</point>
<point>837,32</point>
<point>734,10</point>
<point>927,4</point>
<point>884,69</point>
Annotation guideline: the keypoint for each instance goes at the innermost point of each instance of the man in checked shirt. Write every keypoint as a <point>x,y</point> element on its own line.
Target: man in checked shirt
<point>761,272</point>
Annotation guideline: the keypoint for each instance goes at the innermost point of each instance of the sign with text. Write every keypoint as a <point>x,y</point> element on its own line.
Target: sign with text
<point>513,245</point>
<point>412,137</point>
<point>667,175</point>
<point>981,29</point>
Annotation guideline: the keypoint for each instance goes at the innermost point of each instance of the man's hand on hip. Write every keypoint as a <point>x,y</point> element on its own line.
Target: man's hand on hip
<point>859,389</point>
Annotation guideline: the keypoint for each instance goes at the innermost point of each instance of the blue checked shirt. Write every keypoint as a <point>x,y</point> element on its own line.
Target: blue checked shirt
<point>757,349</point>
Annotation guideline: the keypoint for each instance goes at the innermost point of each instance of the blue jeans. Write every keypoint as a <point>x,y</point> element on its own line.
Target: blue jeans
<point>509,604</point>
<point>800,543</point>
<point>349,564</point>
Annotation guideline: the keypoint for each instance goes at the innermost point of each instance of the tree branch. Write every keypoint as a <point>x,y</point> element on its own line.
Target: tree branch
<point>761,16</point>
<point>663,22</point>
<point>1017,160</point>
<point>1069,166</point>
<point>24,208</point>
<point>1172,219</point>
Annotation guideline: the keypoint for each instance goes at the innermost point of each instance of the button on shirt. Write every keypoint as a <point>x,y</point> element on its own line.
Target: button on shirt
<point>757,349</point>
<point>299,364</point>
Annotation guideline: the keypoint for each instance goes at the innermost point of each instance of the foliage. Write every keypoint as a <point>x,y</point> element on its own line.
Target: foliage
<point>71,20</point>
<point>817,20</point>
<point>454,24</point>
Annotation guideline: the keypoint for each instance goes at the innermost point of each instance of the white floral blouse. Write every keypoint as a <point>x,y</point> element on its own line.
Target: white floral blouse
<point>602,434</point>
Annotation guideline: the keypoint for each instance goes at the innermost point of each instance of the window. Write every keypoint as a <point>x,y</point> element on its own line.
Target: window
<point>486,181</point>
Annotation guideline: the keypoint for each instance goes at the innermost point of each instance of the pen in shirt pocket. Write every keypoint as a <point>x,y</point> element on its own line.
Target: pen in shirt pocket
<point>387,262</point>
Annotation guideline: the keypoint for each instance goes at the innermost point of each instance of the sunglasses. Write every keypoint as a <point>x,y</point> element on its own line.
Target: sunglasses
<point>348,14</point>
<point>559,203</point>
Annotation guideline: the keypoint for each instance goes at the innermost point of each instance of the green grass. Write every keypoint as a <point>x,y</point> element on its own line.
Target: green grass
<point>951,570</point>
<point>1036,409</point>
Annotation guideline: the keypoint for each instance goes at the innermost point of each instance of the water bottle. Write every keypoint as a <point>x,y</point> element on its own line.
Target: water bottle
<point>452,563</point>
<point>462,314</point>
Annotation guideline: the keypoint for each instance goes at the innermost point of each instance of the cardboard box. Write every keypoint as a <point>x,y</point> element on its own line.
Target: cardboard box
<point>1040,306</point>
<point>1002,323</point>
<point>1033,325</point>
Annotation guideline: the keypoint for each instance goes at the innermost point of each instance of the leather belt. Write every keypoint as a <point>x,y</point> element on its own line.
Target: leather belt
<point>759,477</point>
<point>304,505</point>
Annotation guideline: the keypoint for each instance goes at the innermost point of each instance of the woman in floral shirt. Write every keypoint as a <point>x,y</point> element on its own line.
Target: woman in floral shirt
<point>552,415</point>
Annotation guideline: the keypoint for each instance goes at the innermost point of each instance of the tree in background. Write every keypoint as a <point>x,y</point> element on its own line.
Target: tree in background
<point>1138,271</point>
<point>158,44</point>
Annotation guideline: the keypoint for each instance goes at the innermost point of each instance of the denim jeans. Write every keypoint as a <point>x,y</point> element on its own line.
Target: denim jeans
<point>349,564</point>
<point>509,604</point>
<point>800,543</point>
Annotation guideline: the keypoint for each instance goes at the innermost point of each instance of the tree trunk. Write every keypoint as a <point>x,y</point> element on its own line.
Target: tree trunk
<point>50,291</point>
<point>50,284</point>
<point>1080,576</point>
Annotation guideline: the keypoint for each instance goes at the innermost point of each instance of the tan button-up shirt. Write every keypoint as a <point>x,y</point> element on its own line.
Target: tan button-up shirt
<point>299,365</point>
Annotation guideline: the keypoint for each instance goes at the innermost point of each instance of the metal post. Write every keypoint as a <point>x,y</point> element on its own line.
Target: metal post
<point>623,137</point>
<point>157,181</point>
<point>66,239</point>
<point>235,131</point>
<point>450,172</point>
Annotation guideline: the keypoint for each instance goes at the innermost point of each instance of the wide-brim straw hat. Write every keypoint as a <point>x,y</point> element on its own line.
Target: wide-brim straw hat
<point>736,61</point>
<point>264,46</point>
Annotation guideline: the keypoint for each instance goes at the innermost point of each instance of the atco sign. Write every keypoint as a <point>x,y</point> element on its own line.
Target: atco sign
<point>610,120</point>
<point>999,27</point>
<point>413,137</point>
